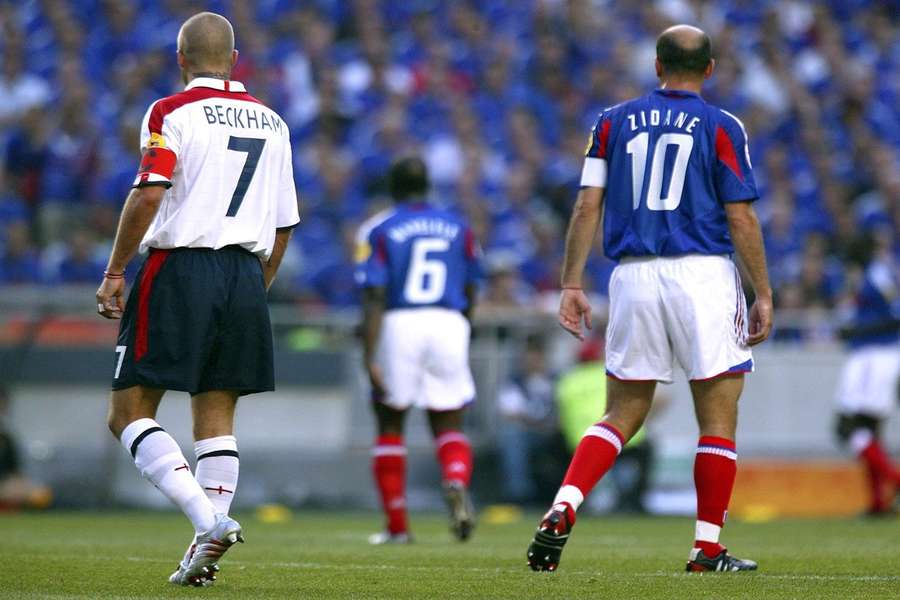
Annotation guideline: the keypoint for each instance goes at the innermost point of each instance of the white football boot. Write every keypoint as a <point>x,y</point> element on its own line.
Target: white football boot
<point>198,567</point>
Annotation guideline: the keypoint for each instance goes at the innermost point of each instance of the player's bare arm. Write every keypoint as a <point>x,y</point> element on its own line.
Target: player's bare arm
<point>574,306</point>
<point>471,299</point>
<point>140,209</point>
<point>270,267</point>
<point>748,242</point>
<point>373,313</point>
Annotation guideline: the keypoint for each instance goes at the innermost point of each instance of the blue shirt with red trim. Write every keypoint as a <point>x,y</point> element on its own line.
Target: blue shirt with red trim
<point>668,161</point>
<point>423,256</point>
<point>876,302</point>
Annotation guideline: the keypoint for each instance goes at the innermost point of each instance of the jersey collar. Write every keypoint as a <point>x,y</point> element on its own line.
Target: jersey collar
<point>676,93</point>
<point>216,84</point>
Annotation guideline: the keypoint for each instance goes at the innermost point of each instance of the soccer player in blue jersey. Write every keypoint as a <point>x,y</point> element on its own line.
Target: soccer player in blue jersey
<point>418,267</point>
<point>867,388</point>
<point>670,178</point>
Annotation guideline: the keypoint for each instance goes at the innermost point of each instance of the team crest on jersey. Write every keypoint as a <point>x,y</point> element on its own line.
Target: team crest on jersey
<point>363,252</point>
<point>156,141</point>
<point>590,142</point>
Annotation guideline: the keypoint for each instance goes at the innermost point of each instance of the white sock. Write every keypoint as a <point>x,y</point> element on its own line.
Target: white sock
<point>160,460</point>
<point>218,464</point>
<point>707,532</point>
<point>570,495</point>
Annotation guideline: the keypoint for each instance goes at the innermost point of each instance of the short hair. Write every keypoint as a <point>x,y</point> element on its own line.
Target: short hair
<point>408,178</point>
<point>676,58</point>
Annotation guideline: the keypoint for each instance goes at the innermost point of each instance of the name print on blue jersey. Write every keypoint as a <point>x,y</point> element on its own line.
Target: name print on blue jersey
<point>423,256</point>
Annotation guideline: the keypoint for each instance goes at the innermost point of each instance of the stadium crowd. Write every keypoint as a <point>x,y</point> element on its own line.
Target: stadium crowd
<point>497,95</point>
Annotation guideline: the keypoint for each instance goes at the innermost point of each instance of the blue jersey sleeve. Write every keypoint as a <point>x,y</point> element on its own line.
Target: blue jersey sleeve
<point>733,173</point>
<point>594,172</point>
<point>371,264</point>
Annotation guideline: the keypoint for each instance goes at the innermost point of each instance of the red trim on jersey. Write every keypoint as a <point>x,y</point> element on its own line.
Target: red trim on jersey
<point>725,152</point>
<point>158,161</point>
<point>470,244</point>
<point>380,249</point>
<point>168,105</point>
<point>603,139</point>
<point>151,270</point>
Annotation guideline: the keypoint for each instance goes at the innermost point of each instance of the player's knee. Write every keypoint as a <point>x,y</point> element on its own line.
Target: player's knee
<point>116,422</point>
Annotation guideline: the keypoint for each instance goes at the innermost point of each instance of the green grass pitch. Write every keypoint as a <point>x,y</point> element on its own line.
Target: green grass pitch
<point>322,555</point>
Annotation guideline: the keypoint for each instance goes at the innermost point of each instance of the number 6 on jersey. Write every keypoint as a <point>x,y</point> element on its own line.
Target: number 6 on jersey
<point>427,277</point>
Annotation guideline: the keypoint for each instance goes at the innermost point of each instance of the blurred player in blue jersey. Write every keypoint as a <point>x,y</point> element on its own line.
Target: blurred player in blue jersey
<point>867,389</point>
<point>418,267</point>
<point>676,179</point>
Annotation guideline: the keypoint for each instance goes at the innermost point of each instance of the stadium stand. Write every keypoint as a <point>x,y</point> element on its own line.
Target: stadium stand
<point>499,97</point>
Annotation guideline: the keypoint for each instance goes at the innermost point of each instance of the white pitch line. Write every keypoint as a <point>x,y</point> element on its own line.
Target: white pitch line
<point>242,564</point>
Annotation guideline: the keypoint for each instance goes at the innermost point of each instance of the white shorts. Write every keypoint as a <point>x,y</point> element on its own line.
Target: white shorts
<point>686,308</point>
<point>424,355</point>
<point>868,381</point>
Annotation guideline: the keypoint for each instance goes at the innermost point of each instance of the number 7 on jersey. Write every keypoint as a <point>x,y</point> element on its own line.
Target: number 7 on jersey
<point>253,147</point>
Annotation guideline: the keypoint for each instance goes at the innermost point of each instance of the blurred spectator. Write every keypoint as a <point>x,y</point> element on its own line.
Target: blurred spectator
<point>19,89</point>
<point>79,260</point>
<point>581,398</point>
<point>19,262</point>
<point>16,490</point>
<point>499,96</point>
<point>528,439</point>
<point>26,155</point>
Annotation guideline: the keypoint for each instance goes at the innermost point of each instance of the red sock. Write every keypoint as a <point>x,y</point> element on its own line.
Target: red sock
<point>876,487</point>
<point>594,456</point>
<point>714,470</point>
<point>876,459</point>
<point>389,468</point>
<point>455,455</point>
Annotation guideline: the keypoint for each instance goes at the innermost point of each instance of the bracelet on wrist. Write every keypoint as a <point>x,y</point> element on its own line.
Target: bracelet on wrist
<point>109,275</point>
<point>571,287</point>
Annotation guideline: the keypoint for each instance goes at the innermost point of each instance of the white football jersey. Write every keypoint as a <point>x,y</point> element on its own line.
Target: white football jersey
<point>227,160</point>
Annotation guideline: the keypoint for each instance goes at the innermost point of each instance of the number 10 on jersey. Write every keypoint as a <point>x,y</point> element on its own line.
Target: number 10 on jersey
<point>637,148</point>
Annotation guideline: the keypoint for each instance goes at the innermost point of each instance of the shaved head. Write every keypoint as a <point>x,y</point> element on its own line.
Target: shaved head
<point>206,41</point>
<point>684,50</point>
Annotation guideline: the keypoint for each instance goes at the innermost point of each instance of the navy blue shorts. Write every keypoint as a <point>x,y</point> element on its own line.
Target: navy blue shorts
<point>197,320</point>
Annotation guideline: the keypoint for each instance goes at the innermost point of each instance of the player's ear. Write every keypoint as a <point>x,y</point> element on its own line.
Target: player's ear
<point>709,69</point>
<point>234,57</point>
<point>182,61</point>
<point>659,69</point>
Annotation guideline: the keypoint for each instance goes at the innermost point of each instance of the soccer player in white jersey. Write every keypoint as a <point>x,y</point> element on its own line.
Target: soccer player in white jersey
<point>675,177</point>
<point>214,206</point>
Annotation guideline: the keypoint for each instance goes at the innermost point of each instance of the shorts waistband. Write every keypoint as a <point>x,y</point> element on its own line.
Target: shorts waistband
<point>637,259</point>
<point>229,248</point>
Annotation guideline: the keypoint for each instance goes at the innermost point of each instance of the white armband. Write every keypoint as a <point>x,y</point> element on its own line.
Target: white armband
<point>594,172</point>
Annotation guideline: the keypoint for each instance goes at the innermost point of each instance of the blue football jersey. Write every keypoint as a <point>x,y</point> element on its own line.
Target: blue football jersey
<point>422,256</point>
<point>877,300</point>
<point>668,161</point>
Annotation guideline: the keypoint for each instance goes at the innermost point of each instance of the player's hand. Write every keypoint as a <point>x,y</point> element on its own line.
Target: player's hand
<point>110,303</point>
<point>573,308</point>
<point>376,379</point>
<point>760,320</point>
